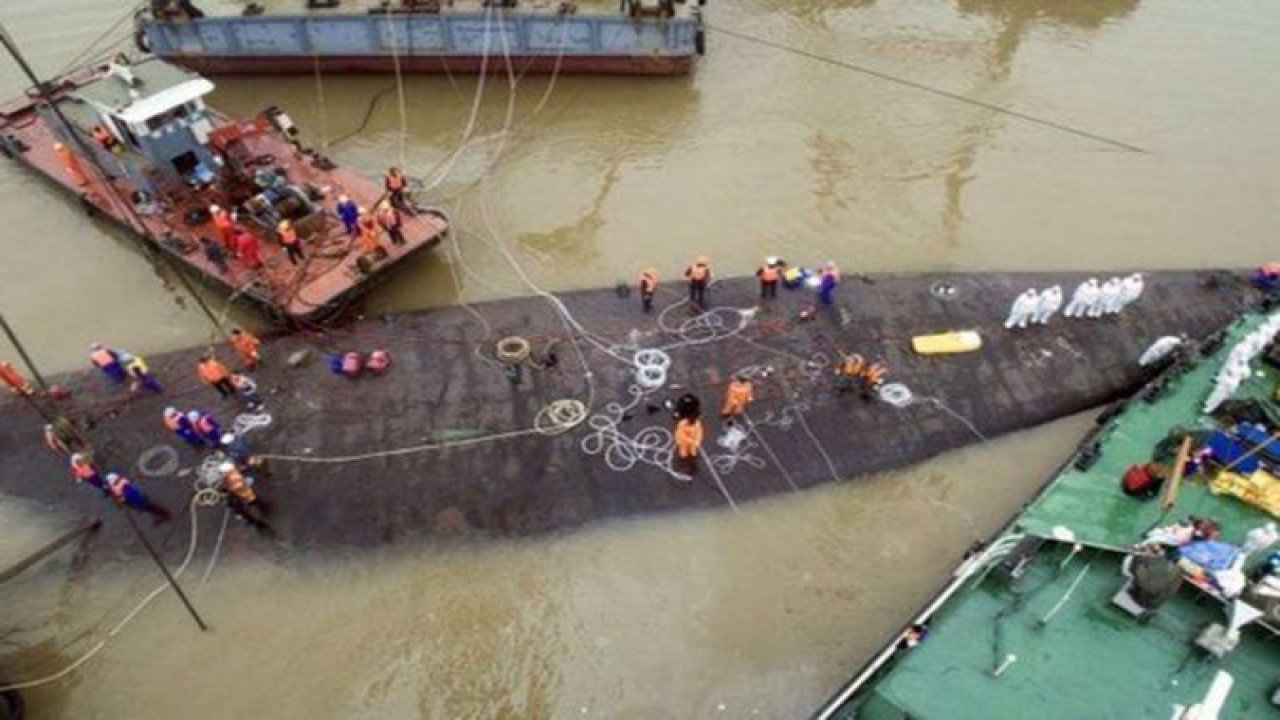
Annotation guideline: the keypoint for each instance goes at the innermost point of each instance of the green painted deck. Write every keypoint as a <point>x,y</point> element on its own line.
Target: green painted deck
<point>1090,503</point>
<point>1092,660</point>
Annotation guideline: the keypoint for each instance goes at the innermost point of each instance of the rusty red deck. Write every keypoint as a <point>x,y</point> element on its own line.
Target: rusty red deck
<point>325,282</point>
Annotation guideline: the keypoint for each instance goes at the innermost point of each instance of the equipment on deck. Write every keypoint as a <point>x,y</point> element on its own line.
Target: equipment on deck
<point>961,341</point>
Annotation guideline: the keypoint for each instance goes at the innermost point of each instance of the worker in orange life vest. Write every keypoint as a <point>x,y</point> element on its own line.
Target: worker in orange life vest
<point>206,427</point>
<point>248,249</point>
<point>395,184</point>
<point>177,423</point>
<point>688,437</point>
<point>225,225</point>
<point>390,220</point>
<point>369,240</point>
<point>648,286</point>
<point>108,361</point>
<point>247,348</point>
<point>85,472</point>
<point>122,491</point>
<point>10,376</point>
<point>737,396</point>
<point>699,275</point>
<point>769,273</point>
<point>71,164</point>
<point>214,373</point>
<point>290,242</point>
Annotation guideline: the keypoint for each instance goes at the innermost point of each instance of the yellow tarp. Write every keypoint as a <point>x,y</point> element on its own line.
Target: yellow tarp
<point>1261,489</point>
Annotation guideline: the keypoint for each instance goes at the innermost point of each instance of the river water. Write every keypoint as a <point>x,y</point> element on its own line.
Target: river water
<point>762,151</point>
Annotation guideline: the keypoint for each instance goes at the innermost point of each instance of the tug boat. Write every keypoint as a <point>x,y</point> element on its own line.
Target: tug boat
<point>136,144</point>
<point>643,37</point>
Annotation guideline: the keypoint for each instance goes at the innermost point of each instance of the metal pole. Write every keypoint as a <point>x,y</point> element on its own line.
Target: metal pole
<point>173,583</point>
<point>134,220</point>
<point>22,352</point>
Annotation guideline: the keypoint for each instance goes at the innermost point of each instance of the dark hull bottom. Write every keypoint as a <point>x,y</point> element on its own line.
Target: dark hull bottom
<point>578,65</point>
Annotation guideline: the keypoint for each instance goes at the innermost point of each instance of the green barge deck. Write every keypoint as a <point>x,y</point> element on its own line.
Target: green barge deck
<point>1066,649</point>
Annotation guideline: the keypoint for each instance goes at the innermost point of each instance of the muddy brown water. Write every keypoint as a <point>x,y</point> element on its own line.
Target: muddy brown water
<point>761,151</point>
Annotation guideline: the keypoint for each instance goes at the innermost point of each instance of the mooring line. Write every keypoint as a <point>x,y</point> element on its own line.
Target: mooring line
<point>881,75</point>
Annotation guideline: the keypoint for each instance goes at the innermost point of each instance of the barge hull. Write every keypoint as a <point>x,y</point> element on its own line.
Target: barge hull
<point>436,64</point>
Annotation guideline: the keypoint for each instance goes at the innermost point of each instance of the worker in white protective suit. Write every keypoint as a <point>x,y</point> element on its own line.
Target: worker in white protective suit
<point>1085,296</point>
<point>1024,308</point>
<point>1259,538</point>
<point>1130,290</point>
<point>1108,299</point>
<point>1049,303</point>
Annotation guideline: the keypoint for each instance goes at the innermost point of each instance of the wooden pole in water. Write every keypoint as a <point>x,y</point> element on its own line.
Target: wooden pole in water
<point>1171,490</point>
<point>22,352</point>
<point>87,525</point>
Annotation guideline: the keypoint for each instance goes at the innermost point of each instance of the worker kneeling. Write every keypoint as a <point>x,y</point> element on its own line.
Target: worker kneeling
<point>737,396</point>
<point>855,374</point>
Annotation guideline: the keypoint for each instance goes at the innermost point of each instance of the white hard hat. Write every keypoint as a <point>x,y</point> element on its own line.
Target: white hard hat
<point>771,260</point>
<point>112,476</point>
<point>228,438</point>
<point>226,467</point>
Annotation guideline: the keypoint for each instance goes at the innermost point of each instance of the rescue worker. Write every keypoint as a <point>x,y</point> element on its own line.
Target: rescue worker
<point>688,437</point>
<point>351,365</point>
<point>248,249</point>
<point>737,396</point>
<point>71,164</point>
<point>349,213</point>
<point>177,423</point>
<point>686,407</point>
<point>290,242</point>
<point>391,221</point>
<point>873,377</point>
<point>14,380</point>
<point>769,273</point>
<point>849,373</point>
<point>108,361</point>
<point>226,227</point>
<point>248,389</point>
<point>206,427</point>
<point>1083,300</point>
<point>247,348</point>
<point>214,373</point>
<point>648,286</point>
<point>1023,309</point>
<point>1047,305</point>
<point>85,472</point>
<point>106,140</point>
<point>122,491</point>
<point>54,442</point>
<point>215,253</point>
<point>368,233</point>
<point>396,184</point>
<point>699,275</point>
<point>241,496</point>
<point>827,282</point>
<point>140,377</point>
<point>1266,277</point>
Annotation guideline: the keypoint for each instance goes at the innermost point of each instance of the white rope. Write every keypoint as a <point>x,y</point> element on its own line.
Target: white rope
<point>248,422</point>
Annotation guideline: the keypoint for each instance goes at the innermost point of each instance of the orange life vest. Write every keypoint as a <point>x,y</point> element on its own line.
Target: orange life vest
<point>769,273</point>
<point>698,272</point>
<point>102,357</point>
<point>82,470</point>
<point>739,392</point>
<point>853,366</point>
<point>395,182</point>
<point>648,281</point>
<point>222,220</point>
<point>875,373</point>
<point>689,433</point>
<point>172,422</point>
<point>104,138</point>
<point>11,377</point>
<point>212,371</point>
<point>288,236</point>
<point>118,486</point>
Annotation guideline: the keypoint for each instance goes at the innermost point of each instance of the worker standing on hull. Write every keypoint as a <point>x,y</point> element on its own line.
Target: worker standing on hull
<point>648,286</point>
<point>290,242</point>
<point>122,491</point>
<point>212,372</point>
<point>247,347</point>
<point>769,273</point>
<point>108,361</point>
<point>178,424</point>
<point>688,437</point>
<point>349,213</point>
<point>84,472</point>
<point>699,275</point>
<point>226,227</point>
<point>737,396</point>
<point>391,221</point>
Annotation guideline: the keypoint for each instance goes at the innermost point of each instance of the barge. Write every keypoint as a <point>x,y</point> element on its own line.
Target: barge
<point>137,145</point>
<point>1141,582</point>
<point>642,37</point>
